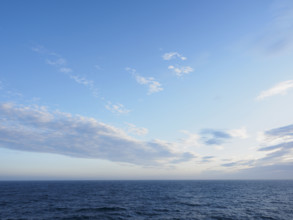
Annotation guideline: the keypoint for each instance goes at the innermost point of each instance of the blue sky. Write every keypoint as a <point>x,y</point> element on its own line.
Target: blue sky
<point>146,89</point>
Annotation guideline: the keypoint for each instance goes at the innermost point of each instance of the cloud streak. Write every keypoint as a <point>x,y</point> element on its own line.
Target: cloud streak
<point>56,62</point>
<point>218,137</point>
<point>133,129</point>
<point>153,85</point>
<point>117,108</point>
<point>276,38</point>
<point>37,129</point>
<point>280,89</point>
<point>277,143</point>
<point>60,64</point>
<point>173,55</point>
<point>214,137</point>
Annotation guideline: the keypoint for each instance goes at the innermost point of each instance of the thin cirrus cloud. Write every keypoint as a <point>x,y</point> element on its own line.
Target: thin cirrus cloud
<point>153,85</point>
<point>5,92</point>
<point>60,63</point>
<point>117,108</point>
<point>276,39</point>
<point>173,55</point>
<point>280,89</point>
<point>65,70</point>
<point>36,129</point>
<point>56,62</point>
<point>279,143</point>
<point>133,129</point>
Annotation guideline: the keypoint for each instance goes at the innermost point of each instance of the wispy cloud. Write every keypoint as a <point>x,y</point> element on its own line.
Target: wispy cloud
<point>207,159</point>
<point>60,64</point>
<point>98,67</point>
<point>40,49</point>
<point>190,141</point>
<point>277,143</point>
<point>173,55</point>
<point>214,137</point>
<point>218,137</point>
<point>181,70</point>
<point>278,140</point>
<point>238,133</point>
<point>133,129</point>
<point>276,38</point>
<point>82,80</point>
<point>117,108</point>
<point>240,163</point>
<point>185,157</point>
<point>279,89</point>
<point>56,62</point>
<point>37,129</point>
<point>6,92</point>
<point>65,70</point>
<point>153,85</point>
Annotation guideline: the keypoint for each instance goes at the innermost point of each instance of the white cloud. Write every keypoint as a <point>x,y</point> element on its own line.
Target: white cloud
<point>278,145</point>
<point>153,85</point>
<point>276,137</point>
<point>219,147</point>
<point>39,49</point>
<point>133,129</point>
<point>218,137</point>
<point>9,93</point>
<point>117,108</point>
<point>238,133</point>
<point>280,88</point>
<point>172,55</point>
<point>65,70</point>
<point>56,62</point>
<point>81,80</point>
<point>180,71</point>
<point>190,142</point>
<point>60,63</point>
<point>36,129</point>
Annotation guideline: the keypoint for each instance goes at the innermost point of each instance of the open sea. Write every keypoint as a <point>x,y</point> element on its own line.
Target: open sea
<point>146,200</point>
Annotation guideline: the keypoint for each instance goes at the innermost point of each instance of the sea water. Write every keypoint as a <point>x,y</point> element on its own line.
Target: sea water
<point>146,200</point>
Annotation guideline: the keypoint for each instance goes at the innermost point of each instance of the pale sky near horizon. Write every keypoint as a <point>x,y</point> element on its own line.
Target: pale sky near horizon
<point>176,89</point>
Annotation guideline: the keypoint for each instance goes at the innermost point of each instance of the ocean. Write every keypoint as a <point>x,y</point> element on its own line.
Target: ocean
<point>146,200</point>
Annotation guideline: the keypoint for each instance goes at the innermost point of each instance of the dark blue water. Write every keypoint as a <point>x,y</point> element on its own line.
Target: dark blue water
<point>147,200</point>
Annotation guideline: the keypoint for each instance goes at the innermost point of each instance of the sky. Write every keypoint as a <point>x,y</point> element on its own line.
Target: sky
<point>168,89</point>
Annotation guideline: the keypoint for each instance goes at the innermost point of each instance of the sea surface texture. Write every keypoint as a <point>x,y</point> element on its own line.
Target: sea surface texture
<point>147,200</point>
